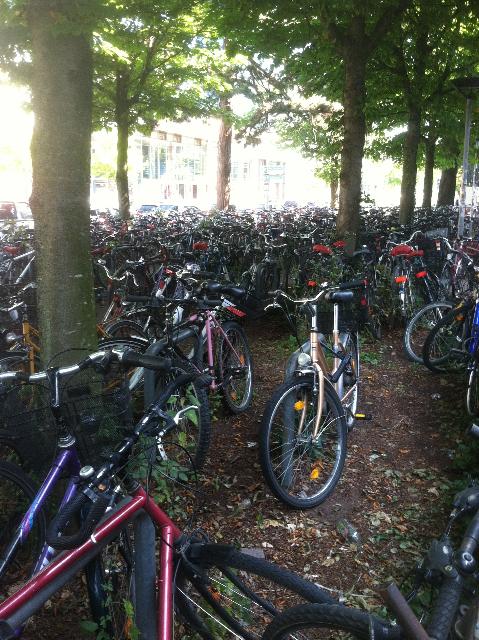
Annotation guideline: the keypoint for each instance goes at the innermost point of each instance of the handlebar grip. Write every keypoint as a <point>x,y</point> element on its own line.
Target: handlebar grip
<point>54,537</point>
<point>143,299</point>
<point>445,608</point>
<point>212,303</point>
<point>352,284</point>
<point>134,359</point>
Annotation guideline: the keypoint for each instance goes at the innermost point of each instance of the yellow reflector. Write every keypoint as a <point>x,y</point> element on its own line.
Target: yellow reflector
<point>299,405</point>
<point>314,474</point>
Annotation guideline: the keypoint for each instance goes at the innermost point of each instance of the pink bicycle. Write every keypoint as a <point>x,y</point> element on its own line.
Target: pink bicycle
<point>151,569</point>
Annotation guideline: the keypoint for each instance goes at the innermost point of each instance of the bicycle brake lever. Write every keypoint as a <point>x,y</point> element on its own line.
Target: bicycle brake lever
<point>181,412</point>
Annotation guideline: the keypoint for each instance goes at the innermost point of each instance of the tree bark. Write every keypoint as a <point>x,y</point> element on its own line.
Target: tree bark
<point>354,97</point>
<point>60,150</point>
<point>123,130</point>
<point>409,167</point>
<point>225,138</point>
<point>447,187</point>
<point>333,187</point>
<point>430,155</point>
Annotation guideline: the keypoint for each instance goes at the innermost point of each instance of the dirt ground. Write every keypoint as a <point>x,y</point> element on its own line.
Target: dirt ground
<point>395,488</point>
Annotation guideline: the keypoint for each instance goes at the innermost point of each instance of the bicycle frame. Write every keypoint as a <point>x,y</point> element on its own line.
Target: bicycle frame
<point>17,608</point>
<point>30,334</point>
<point>213,327</point>
<point>66,461</point>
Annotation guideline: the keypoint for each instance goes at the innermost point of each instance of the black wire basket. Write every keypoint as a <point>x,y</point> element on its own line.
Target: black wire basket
<point>27,427</point>
<point>97,412</point>
<point>352,315</point>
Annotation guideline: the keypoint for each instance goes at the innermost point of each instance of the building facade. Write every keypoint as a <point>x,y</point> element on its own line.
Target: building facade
<point>178,164</point>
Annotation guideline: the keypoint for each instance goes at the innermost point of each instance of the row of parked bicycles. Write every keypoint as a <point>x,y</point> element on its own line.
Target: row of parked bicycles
<point>86,446</point>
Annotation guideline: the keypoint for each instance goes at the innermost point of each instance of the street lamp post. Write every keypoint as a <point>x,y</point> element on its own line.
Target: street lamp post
<point>466,86</point>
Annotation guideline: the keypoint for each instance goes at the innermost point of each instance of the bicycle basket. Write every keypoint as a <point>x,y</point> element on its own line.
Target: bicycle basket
<point>27,426</point>
<point>99,414</point>
<point>352,315</point>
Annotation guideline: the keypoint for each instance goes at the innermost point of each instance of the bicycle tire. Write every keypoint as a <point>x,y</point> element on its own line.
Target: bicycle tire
<point>297,400</point>
<point>121,584</point>
<point>196,434</point>
<point>125,329</point>
<point>234,369</point>
<point>319,619</point>
<point>217,580</point>
<point>448,333</point>
<point>445,608</point>
<point>472,395</point>
<point>266,279</point>
<point>18,491</point>
<point>422,321</point>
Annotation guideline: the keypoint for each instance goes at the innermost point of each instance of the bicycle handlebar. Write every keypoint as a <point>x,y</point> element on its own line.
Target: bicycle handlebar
<point>97,491</point>
<point>129,358</point>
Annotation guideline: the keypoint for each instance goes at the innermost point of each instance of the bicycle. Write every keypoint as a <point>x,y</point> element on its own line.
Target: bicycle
<point>221,347</point>
<point>420,325</point>
<point>303,433</point>
<point>210,586</point>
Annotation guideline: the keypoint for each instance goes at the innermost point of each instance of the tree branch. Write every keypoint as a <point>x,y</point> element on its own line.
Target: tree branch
<point>385,22</point>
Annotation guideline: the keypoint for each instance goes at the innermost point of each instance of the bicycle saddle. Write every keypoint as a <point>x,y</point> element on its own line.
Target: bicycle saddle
<point>339,296</point>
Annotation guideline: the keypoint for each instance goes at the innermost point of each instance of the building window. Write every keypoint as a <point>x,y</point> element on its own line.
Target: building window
<point>176,137</point>
<point>145,152</point>
<point>198,142</point>
<point>181,190</point>
<point>240,171</point>
<point>195,191</point>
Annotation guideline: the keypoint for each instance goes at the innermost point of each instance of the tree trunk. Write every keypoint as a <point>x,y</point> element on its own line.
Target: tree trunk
<point>225,138</point>
<point>60,150</point>
<point>354,96</point>
<point>430,153</point>
<point>447,187</point>
<point>123,130</point>
<point>333,187</point>
<point>409,167</point>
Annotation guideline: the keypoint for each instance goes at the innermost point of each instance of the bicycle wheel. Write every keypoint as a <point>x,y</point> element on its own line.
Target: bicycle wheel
<point>125,329</point>
<point>266,279</point>
<point>235,368</point>
<point>302,461</point>
<point>444,347</point>
<point>224,593</point>
<point>325,621</point>
<point>17,493</point>
<point>472,396</point>
<point>419,327</point>
<point>121,584</point>
<point>191,440</point>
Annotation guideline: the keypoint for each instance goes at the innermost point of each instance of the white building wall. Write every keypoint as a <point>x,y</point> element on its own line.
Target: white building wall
<point>261,174</point>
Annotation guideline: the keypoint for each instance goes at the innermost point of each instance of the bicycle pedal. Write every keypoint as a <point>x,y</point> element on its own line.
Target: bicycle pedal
<point>363,416</point>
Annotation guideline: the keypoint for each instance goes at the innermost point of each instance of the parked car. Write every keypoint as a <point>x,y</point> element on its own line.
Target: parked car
<point>18,213</point>
<point>166,208</point>
<point>147,209</point>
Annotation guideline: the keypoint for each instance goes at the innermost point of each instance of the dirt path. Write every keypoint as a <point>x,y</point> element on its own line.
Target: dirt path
<point>394,481</point>
<point>394,489</point>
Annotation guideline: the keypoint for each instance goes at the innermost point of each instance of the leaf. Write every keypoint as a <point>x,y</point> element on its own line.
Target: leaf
<point>89,626</point>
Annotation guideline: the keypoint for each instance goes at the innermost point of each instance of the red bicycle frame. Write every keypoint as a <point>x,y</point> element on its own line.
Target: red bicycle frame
<point>17,608</point>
